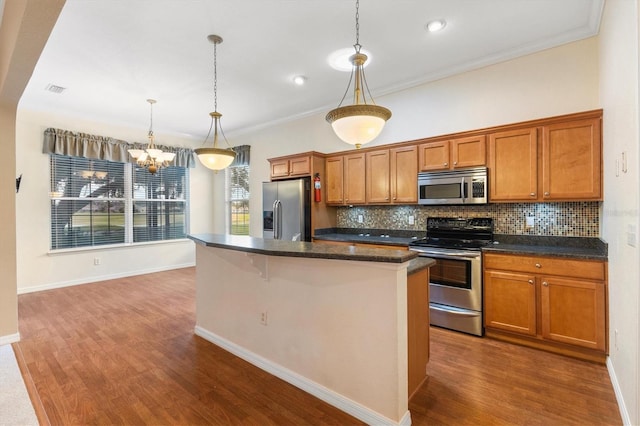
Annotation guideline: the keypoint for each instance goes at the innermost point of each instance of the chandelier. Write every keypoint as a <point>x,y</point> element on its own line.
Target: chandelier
<point>215,158</point>
<point>361,122</point>
<point>151,158</point>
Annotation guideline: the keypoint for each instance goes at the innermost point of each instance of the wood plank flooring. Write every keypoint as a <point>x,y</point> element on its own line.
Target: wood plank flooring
<point>123,352</point>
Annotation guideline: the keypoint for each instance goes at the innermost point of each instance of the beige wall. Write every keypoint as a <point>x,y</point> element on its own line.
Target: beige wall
<point>24,30</point>
<point>619,69</point>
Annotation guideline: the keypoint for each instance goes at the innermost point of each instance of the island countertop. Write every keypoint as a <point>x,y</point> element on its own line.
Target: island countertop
<point>302,249</point>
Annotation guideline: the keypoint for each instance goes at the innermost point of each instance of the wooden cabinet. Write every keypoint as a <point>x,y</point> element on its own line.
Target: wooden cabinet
<point>453,154</point>
<point>417,329</point>
<point>391,176</point>
<point>292,166</point>
<point>346,179</point>
<point>554,303</point>
<point>558,161</point>
<point>572,160</point>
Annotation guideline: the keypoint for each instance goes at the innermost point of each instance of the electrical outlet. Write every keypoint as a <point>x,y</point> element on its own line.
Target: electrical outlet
<point>96,261</point>
<point>360,218</point>
<point>263,317</point>
<point>530,222</point>
<point>412,220</point>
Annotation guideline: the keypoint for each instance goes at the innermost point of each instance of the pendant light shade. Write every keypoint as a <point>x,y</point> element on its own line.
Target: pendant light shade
<point>215,158</point>
<point>361,122</point>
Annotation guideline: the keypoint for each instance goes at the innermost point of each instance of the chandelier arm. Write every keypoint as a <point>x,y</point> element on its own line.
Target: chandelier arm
<point>366,85</point>
<point>347,89</point>
<point>222,133</point>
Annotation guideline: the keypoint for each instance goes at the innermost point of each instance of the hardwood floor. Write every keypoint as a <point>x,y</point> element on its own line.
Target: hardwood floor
<point>123,352</point>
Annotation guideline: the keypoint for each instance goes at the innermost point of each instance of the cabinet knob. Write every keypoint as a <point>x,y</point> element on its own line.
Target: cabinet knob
<point>546,194</point>
<point>455,163</point>
<point>530,281</point>
<point>446,164</point>
<point>546,284</point>
<point>538,265</point>
<point>533,194</point>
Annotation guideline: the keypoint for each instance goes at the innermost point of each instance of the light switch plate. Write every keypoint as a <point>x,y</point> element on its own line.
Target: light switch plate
<point>530,221</point>
<point>632,235</point>
<point>412,220</point>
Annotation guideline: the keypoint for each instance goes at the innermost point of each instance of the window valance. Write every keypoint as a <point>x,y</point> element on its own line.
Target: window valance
<point>242,155</point>
<point>72,144</point>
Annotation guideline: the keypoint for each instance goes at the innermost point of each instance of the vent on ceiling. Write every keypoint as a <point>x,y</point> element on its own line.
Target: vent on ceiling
<point>55,89</point>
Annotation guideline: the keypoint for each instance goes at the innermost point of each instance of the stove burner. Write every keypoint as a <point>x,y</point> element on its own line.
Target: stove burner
<point>457,233</point>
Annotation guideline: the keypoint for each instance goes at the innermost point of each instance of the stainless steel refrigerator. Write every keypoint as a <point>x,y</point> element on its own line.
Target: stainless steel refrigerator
<point>286,210</point>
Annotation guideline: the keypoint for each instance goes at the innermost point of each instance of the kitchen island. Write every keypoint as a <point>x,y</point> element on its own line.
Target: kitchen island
<point>335,321</point>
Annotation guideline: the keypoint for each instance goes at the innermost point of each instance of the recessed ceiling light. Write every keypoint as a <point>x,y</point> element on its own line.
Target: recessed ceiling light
<point>300,80</point>
<point>339,60</point>
<point>436,25</point>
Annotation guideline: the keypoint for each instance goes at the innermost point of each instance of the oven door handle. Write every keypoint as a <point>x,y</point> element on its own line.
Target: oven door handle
<point>451,310</point>
<point>449,255</point>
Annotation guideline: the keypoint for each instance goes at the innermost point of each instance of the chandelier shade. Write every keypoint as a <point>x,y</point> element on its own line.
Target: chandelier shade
<point>215,158</point>
<point>363,121</point>
<point>151,158</point>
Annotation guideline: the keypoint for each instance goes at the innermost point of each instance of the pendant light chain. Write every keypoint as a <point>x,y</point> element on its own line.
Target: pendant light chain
<point>357,45</point>
<point>215,76</point>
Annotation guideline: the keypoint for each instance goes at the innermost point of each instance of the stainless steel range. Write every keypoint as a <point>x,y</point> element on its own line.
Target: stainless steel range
<point>455,287</point>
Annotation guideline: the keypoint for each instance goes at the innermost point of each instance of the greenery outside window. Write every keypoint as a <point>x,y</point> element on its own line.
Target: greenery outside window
<point>99,202</point>
<point>238,199</point>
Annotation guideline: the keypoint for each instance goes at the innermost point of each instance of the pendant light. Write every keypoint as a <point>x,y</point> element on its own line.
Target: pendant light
<point>361,122</point>
<point>215,158</point>
<point>151,158</point>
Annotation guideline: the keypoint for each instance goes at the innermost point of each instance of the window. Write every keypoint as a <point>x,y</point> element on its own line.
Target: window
<point>238,199</point>
<point>99,202</point>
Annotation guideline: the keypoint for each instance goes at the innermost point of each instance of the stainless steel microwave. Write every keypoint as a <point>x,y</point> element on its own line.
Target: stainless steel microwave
<point>468,186</point>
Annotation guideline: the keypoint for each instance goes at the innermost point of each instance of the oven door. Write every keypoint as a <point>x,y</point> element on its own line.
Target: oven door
<point>456,278</point>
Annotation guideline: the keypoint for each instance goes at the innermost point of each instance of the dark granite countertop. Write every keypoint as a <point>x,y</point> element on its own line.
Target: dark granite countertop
<point>302,249</point>
<point>418,264</point>
<point>369,236</point>
<point>571,247</point>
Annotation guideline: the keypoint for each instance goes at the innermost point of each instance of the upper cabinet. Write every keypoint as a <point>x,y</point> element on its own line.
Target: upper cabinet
<point>391,176</point>
<point>291,166</point>
<point>557,161</point>
<point>572,160</point>
<point>346,179</point>
<point>453,154</point>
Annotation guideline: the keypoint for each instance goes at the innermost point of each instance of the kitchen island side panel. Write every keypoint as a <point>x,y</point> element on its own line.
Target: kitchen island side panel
<point>340,324</point>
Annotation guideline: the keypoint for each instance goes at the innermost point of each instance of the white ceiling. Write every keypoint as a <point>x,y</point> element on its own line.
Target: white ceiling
<point>113,55</point>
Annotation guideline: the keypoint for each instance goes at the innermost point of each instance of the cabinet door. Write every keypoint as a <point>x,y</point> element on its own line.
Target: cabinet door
<point>572,161</point>
<point>404,174</point>
<point>434,156</point>
<point>300,166</point>
<point>510,301</point>
<point>377,175</point>
<point>573,311</point>
<point>513,170</point>
<point>334,185</point>
<point>279,168</point>
<point>469,152</point>
<point>354,179</point>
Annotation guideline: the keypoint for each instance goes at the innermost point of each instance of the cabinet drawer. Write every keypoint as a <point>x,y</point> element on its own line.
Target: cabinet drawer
<point>590,269</point>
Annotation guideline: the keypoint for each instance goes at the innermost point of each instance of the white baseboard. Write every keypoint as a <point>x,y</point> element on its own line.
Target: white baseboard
<point>624,413</point>
<point>10,338</point>
<point>341,402</point>
<point>98,278</point>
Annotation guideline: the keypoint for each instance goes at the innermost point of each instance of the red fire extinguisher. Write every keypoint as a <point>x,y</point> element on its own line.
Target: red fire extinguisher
<point>317,193</point>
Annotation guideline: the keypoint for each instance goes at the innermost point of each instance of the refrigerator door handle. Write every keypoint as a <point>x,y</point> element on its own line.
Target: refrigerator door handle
<point>277,220</point>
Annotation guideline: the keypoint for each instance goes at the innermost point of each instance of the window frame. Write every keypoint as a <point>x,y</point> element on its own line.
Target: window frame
<point>128,199</point>
<point>229,200</point>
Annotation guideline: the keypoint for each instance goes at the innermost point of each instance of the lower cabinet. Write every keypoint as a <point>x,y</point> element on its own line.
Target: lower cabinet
<point>552,303</point>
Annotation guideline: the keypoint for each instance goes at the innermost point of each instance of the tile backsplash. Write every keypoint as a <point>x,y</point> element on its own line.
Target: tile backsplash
<point>566,219</point>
